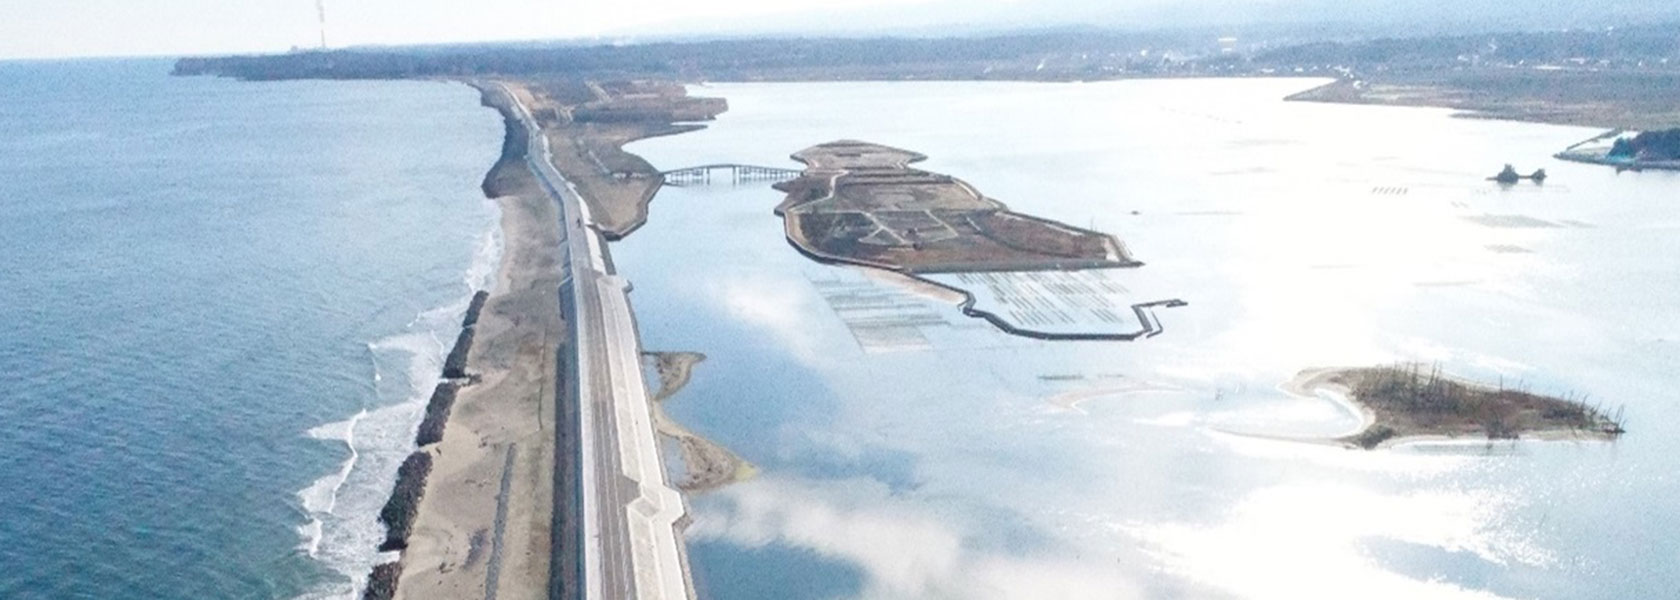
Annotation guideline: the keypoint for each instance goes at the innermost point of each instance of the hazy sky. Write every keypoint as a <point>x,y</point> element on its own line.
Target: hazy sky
<point>44,28</point>
<point>51,28</point>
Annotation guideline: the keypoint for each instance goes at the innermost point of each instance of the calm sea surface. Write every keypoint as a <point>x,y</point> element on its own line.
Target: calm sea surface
<point>1302,235</point>
<point>224,301</point>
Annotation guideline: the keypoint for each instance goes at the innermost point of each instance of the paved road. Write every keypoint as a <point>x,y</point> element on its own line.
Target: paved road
<point>630,546</point>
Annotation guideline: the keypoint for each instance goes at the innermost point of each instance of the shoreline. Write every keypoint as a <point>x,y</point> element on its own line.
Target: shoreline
<point>356,545</point>
<point>482,522</point>
<point>707,465</point>
<point>1467,101</point>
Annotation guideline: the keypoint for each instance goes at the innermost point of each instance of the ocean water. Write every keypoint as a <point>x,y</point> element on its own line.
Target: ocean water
<point>949,460</point>
<point>226,303</point>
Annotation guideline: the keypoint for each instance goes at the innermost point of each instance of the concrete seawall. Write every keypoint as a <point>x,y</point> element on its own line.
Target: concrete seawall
<point>630,538</point>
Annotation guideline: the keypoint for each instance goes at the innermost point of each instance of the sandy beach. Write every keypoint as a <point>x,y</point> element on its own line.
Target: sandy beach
<point>485,522</point>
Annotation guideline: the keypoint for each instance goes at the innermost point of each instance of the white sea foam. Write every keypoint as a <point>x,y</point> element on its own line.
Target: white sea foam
<point>322,495</point>
<point>311,532</point>
<point>343,530</point>
<point>487,259</point>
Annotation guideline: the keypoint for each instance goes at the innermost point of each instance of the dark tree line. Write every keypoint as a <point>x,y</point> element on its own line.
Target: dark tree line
<point>1649,145</point>
<point>716,60</point>
<point>1651,43</point>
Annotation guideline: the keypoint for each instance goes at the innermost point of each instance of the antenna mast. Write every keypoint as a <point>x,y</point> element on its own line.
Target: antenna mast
<point>321,14</point>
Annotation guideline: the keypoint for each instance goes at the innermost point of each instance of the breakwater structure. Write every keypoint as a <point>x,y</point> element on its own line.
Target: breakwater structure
<point>382,583</point>
<point>455,370</point>
<point>437,414</point>
<point>398,513</point>
<point>455,364</point>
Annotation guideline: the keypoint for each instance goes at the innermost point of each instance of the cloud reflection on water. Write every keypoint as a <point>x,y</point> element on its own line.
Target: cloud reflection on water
<point>903,550</point>
<point>1306,541</point>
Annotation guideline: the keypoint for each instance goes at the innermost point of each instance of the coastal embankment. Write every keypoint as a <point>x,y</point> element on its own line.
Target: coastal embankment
<point>480,524</point>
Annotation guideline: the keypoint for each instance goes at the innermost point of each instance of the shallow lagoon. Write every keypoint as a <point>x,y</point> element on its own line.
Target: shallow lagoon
<point>969,463</point>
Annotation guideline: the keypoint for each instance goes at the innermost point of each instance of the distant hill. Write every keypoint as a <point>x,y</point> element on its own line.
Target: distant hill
<point>1023,56</point>
<point>1054,54</point>
<point>1650,44</point>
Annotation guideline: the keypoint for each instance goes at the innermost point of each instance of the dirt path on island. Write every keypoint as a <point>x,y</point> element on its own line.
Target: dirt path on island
<point>708,464</point>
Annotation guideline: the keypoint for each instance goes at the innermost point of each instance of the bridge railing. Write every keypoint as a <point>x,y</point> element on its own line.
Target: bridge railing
<point>732,174</point>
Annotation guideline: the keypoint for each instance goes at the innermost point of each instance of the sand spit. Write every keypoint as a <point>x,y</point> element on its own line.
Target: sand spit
<point>480,488</point>
<point>1073,399</point>
<point>709,465</point>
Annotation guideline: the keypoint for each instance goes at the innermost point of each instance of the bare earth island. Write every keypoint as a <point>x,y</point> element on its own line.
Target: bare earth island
<point>1405,403</point>
<point>861,203</point>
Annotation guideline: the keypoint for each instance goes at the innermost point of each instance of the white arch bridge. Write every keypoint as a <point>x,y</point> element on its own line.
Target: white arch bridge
<point>728,173</point>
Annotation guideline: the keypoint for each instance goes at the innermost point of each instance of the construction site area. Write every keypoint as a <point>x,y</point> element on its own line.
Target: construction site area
<point>861,203</point>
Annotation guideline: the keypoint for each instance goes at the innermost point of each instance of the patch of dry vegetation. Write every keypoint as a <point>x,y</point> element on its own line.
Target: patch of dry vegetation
<point>1410,400</point>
